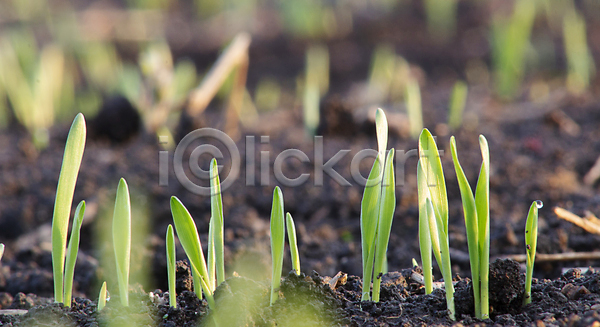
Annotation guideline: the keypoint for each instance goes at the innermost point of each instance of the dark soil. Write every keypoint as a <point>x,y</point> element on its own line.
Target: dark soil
<point>539,151</point>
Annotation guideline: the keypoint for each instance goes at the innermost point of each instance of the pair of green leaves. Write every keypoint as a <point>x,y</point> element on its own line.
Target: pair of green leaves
<point>433,216</point>
<point>377,212</point>
<point>477,222</point>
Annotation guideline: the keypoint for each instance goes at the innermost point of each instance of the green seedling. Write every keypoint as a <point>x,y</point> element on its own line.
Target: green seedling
<point>441,18</point>
<point>72,250</point>
<point>381,75</point>
<point>579,59</point>
<point>121,229</point>
<point>216,209</point>
<point>510,41</point>
<point>531,231</point>
<point>413,107</point>
<point>377,211</point>
<point>1,250</point>
<point>171,266</point>
<point>291,232</point>
<point>64,198</point>
<point>458,100</point>
<point>477,222</point>
<point>190,241</point>
<point>211,255</point>
<point>102,297</point>
<point>433,202</point>
<point>316,84</point>
<point>277,242</point>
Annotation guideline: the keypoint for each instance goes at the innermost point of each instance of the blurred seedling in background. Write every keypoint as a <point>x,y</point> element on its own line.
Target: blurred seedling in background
<point>510,43</point>
<point>458,100</point>
<point>441,18</point>
<point>316,84</point>
<point>34,83</point>
<point>580,63</point>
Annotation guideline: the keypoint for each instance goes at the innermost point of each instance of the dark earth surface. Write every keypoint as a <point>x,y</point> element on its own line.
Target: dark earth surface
<point>536,154</point>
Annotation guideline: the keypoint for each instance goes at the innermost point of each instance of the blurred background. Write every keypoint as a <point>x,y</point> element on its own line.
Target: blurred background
<point>519,71</point>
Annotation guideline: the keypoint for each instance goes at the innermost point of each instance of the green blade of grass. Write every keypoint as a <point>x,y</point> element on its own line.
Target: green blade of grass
<point>216,209</point>
<point>102,297</point>
<point>121,229</point>
<point>171,265</point>
<point>1,250</point>
<point>277,242</point>
<point>531,231</point>
<point>72,250</point>
<point>482,200</point>
<point>470,213</point>
<point>387,208</point>
<point>424,233</point>
<point>210,260</point>
<point>368,222</point>
<point>190,241</point>
<point>434,174</point>
<point>291,231</point>
<point>64,198</point>
<point>458,99</point>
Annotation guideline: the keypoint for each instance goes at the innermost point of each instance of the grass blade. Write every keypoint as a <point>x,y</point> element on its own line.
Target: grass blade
<point>482,200</point>
<point>387,208</point>
<point>434,174</point>
<point>216,209</point>
<point>277,242</point>
<point>470,212</point>
<point>291,231</point>
<point>121,229</point>
<point>64,198</point>
<point>531,231</point>
<point>458,99</point>
<point>369,214</point>
<point>190,241</point>
<point>171,265</point>
<point>210,260</point>
<point>424,233</point>
<point>1,250</point>
<point>72,250</point>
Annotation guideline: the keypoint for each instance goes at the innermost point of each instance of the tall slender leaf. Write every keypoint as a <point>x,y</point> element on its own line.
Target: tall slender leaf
<point>64,198</point>
<point>171,265</point>
<point>216,209</point>
<point>482,200</point>
<point>72,250</point>
<point>291,231</point>
<point>277,242</point>
<point>121,229</point>
<point>531,232</point>
<point>386,209</point>
<point>434,174</point>
<point>424,233</point>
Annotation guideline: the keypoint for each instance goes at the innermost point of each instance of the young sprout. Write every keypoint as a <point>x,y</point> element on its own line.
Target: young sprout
<point>211,255</point>
<point>458,99</point>
<point>413,107</point>
<point>277,242</point>
<point>441,18</point>
<point>316,83</point>
<point>121,229</point>
<point>102,297</point>
<point>216,209</point>
<point>291,231</point>
<point>190,241</point>
<point>476,211</point>
<point>579,59</point>
<point>170,245</point>
<point>64,198</point>
<point>433,201</point>
<point>531,230</point>
<point>1,250</point>
<point>377,211</point>
<point>424,234</point>
<point>72,250</point>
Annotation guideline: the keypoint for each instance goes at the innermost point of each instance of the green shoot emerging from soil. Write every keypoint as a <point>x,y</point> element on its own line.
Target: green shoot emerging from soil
<point>414,107</point>
<point>477,216</point>
<point>277,242</point>
<point>121,229</point>
<point>1,250</point>
<point>531,231</point>
<point>171,265</point>
<point>458,99</point>
<point>216,210</point>
<point>377,211</point>
<point>72,250</point>
<point>433,214</point>
<point>102,297</point>
<point>190,241</point>
<point>64,198</point>
<point>291,231</point>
